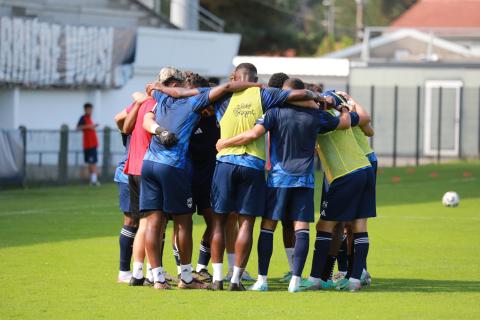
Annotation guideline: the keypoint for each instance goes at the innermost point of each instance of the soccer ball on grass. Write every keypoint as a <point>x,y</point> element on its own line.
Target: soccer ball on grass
<point>451,199</point>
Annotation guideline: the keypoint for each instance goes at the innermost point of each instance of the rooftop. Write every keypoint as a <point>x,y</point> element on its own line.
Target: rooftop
<point>441,14</point>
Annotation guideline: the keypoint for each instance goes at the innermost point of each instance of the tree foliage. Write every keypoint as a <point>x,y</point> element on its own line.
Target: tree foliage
<point>282,27</point>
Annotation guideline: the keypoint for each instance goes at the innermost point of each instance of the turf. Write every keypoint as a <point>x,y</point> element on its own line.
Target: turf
<point>59,256</point>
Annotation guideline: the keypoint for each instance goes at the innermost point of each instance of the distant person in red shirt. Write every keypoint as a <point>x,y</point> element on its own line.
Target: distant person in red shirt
<point>90,142</point>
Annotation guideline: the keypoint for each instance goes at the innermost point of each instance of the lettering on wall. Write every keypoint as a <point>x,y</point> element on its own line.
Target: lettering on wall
<point>36,54</point>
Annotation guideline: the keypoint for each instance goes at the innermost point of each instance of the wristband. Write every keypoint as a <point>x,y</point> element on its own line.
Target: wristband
<point>153,128</point>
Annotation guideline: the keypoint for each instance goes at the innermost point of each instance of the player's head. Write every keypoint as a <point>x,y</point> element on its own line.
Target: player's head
<point>88,108</point>
<point>277,80</point>
<point>194,80</point>
<point>294,84</point>
<point>245,72</point>
<point>314,87</point>
<point>171,77</point>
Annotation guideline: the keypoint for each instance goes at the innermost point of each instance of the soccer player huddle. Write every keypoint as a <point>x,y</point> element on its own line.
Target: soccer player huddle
<point>195,147</point>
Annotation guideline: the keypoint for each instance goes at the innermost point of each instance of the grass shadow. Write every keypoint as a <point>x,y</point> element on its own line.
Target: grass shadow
<point>403,285</point>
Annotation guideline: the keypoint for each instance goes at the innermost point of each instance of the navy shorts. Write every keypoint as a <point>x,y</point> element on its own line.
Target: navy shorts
<point>291,204</point>
<point>134,188</point>
<point>350,197</point>
<point>124,197</point>
<point>202,176</point>
<point>165,188</point>
<point>238,189</point>
<point>90,155</point>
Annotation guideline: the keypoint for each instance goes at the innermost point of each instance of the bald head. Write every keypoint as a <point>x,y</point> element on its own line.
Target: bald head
<point>245,72</point>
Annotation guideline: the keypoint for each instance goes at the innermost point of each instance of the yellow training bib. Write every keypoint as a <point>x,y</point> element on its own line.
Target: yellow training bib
<point>340,153</point>
<point>243,110</point>
<point>362,140</point>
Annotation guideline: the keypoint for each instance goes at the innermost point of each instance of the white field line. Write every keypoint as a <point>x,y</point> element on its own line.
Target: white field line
<point>67,210</point>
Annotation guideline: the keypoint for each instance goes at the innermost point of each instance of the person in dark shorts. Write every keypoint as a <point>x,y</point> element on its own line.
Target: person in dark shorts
<point>203,154</point>
<point>90,142</point>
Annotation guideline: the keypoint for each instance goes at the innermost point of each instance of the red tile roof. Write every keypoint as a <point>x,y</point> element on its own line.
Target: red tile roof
<point>441,13</point>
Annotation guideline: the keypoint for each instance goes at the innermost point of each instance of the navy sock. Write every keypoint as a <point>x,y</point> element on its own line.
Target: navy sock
<point>127,235</point>
<point>328,269</point>
<point>342,256</point>
<point>265,249</point>
<point>176,255</point>
<point>322,246</point>
<point>204,255</point>
<point>301,251</point>
<point>360,246</point>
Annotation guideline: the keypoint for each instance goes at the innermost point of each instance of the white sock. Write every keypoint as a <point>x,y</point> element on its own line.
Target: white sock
<point>290,253</point>
<point>158,275</point>
<point>179,270</point>
<point>231,260</point>
<point>262,279</point>
<point>295,282</point>
<point>149,272</point>
<point>201,267</point>
<point>314,280</point>
<point>137,272</point>
<point>93,178</point>
<point>343,272</point>
<point>186,273</point>
<point>237,273</point>
<point>354,280</point>
<point>124,274</point>
<point>217,271</point>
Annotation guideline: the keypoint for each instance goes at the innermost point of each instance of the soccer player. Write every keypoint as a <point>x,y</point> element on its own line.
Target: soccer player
<point>130,223</point>
<point>203,154</point>
<point>342,238</point>
<point>349,198</point>
<point>137,148</point>
<point>361,132</point>
<point>291,180</point>
<point>239,181</point>
<point>139,144</point>
<point>90,142</point>
<point>276,81</point>
<point>166,183</point>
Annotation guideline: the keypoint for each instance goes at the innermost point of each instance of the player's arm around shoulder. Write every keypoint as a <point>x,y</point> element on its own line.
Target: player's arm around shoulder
<point>243,138</point>
<point>219,91</point>
<point>175,92</point>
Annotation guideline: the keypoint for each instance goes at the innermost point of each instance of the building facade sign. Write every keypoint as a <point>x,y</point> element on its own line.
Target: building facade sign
<point>40,54</point>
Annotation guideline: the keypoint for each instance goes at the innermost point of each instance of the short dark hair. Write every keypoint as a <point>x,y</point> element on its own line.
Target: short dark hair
<point>295,83</point>
<point>247,66</point>
<point>277,80</point>
<point>194,80</point>
<point>88,105</point>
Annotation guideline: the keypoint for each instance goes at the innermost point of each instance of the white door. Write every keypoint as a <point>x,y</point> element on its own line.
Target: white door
<point>450,117</point>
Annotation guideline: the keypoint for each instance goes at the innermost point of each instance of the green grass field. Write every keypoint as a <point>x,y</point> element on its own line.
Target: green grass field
<point>59,258</point>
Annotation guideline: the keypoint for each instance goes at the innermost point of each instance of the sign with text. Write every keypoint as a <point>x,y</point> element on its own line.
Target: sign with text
<point>39,54</point>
